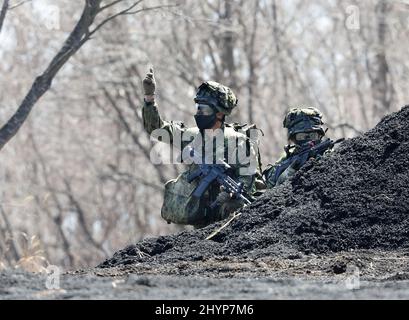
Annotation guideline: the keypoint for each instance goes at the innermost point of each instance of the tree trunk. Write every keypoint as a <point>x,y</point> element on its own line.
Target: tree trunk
<point>381,88</point>
<point>228,43</point>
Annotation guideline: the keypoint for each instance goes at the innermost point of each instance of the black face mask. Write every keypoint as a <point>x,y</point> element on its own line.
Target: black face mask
<point>205,121</point>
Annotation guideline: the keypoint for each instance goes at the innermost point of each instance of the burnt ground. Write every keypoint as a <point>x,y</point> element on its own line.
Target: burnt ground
<point>349,211</point>
<point>382,275</point>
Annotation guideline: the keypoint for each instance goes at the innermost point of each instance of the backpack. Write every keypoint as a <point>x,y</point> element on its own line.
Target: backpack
<point>179,206</point>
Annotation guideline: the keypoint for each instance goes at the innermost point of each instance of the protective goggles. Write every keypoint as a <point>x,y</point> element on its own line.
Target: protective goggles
<point>307,136</point>
<point>204,109</point>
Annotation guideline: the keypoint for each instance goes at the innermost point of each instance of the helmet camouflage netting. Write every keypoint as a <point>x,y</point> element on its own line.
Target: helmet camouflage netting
<point>303,119</point>
<point>217,96</point>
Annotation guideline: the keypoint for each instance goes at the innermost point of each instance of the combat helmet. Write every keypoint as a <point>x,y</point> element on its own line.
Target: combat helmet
<point>304,119</point>
<point>219,97</point>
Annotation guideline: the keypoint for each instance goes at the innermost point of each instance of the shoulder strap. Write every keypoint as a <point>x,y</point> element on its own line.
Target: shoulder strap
<point>246,129</point>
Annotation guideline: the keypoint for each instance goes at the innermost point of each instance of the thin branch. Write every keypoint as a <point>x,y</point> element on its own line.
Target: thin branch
<point>124,176</point>
<point>3,12</point>
<point>19,4</point>
<point>151,8</point>
<point>111,4</point>
<point>81,216</point>
<point>122,12</point>
<point>127,126</point>
<point>128,12</point>
<point>57,219</point>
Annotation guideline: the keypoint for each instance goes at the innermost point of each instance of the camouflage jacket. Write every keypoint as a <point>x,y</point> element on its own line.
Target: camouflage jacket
<point>270,171</point>
<point>192,136</point>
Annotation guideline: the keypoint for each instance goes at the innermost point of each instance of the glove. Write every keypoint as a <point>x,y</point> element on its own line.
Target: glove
<point>149,83</point>
<point>223,196</point>
<point>226,205</point>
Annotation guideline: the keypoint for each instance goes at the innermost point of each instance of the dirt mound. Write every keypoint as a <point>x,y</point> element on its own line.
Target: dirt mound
<point>356,198</point>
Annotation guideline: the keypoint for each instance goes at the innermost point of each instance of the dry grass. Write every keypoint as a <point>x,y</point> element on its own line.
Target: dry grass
<point>32,258</point>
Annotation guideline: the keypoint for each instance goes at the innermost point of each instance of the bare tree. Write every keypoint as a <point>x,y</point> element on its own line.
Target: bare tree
<point>82,32</point>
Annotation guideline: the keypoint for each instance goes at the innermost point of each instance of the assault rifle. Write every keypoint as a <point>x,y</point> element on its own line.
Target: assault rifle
<point>301,157</point>
<point>214,172</point>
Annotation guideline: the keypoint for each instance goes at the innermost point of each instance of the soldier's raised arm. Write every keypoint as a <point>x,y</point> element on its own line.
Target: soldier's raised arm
<point>152,119</point>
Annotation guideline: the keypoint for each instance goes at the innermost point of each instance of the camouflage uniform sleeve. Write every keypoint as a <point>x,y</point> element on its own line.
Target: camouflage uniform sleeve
<point>287,174</point>
<point>269,173</point>
<point>152,121</point>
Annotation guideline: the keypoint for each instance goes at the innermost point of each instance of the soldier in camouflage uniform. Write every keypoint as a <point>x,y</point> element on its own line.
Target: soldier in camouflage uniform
<point>304,127</point>
<point>213,103</point>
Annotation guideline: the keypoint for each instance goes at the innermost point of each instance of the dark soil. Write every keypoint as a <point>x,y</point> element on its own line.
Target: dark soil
<point>356,198</point>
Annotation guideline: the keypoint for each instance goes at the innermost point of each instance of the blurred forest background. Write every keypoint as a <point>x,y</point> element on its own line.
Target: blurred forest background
<point>77,182</point>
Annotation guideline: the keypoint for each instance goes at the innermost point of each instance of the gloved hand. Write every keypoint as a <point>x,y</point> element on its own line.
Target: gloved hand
<point>223,196</point>
<point>227,205</point>
<point>149,83</point>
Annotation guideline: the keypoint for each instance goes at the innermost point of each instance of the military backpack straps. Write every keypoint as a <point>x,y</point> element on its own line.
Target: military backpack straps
<point>253,136</point>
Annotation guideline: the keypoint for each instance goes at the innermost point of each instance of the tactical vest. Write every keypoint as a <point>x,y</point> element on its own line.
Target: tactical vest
<point>180,207</point>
